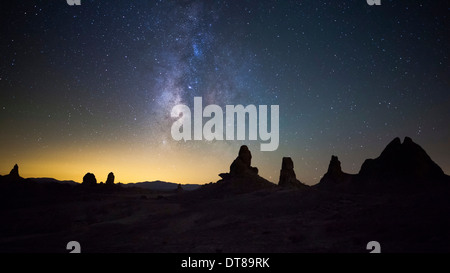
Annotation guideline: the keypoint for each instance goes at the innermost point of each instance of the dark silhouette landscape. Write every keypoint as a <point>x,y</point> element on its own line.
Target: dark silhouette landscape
<point>399,199</point>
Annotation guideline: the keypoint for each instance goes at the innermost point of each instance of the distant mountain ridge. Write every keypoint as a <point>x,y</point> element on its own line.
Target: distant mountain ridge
<point>52,180</point>
<point>148,185</point>
<point>162,185</point>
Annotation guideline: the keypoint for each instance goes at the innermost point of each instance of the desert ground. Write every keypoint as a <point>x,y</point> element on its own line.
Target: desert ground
<point>264,221</point>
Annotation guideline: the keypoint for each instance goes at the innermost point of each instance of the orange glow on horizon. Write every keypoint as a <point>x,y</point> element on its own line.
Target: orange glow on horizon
<point>173,162</point>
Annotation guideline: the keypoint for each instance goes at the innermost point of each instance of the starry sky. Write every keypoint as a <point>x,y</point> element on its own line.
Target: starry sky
<point>90,88</point>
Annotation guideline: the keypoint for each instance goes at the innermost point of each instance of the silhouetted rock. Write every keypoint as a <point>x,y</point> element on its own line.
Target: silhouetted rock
<point>405,161</point>
<point>287,175</point>
<point>242,164</point>
<point>110,179</point>
<point>180,188</point>
<point>400,166</point>
<point>89,179</point>
<point>245,155</point>
<point>334,168</point>
<point>14,173</point>
<point>241,179</point>
<point>224,176</point>
<point>335,176</point>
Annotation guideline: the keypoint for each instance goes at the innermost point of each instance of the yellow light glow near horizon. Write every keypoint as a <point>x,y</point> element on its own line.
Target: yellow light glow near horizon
<point>171,162</point>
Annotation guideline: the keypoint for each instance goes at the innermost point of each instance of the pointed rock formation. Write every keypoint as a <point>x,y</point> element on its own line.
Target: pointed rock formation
<point>334,168</point>
<point>110,179</point>
<point>287,175</point>
<point>335,175</point>
<point>14,173</point>
<point>89,179</point>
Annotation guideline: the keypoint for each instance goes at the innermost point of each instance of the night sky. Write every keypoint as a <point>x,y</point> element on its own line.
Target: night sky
<point>90,88</point>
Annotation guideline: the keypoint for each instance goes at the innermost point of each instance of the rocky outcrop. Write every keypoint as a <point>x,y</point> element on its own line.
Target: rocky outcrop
<point>89,179</point>
<point>405,161</point>
<point>334,168</point>
<point>14,173</point>
<point>242,177</point>
<point>287,175</point>
<point>335,176</point>
<point>400,165</point>
<point>242,164</point>
<point>110,179</point>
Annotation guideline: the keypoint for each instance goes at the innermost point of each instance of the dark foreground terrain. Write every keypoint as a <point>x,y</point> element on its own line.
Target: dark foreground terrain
<point>268,220</point>
<point>399,199</point>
